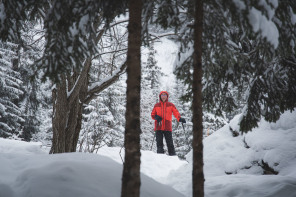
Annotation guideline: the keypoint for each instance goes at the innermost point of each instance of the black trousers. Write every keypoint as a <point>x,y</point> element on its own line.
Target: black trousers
<point>169,141</point>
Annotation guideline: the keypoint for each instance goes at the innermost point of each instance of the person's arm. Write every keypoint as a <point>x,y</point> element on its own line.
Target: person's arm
<point>177,115</point>
<point>153,113</point>
<point>155,116</point>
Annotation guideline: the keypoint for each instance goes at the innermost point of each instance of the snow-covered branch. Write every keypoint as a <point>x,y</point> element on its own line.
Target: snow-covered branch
<point>73,93</point>
<point>97,87</point>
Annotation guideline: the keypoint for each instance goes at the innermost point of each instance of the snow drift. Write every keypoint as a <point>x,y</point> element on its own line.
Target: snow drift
<point>233,167</point>
<point>28,171</point>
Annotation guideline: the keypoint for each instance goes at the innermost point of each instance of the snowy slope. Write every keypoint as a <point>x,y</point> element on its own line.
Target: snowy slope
<point>166,56</point>
<point>242,156</point>
<point>157,166</point>
<point>166,53</point>
<point>28,171</point>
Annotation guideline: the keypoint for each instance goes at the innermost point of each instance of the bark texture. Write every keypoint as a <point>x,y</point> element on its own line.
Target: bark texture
<point>131,170</point>
<point>69,97</point>
<point>197,174</point>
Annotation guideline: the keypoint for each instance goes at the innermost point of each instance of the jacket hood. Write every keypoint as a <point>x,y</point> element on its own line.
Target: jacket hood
<point>163,92</point>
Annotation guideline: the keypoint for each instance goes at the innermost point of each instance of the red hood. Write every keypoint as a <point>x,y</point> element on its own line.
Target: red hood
<point>166,93</point>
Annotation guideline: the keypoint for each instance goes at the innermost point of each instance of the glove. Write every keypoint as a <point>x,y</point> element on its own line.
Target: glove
<point>182,120</point>
<point>158,118</point>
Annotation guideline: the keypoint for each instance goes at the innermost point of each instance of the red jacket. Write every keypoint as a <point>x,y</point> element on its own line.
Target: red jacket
<point>165,111</point>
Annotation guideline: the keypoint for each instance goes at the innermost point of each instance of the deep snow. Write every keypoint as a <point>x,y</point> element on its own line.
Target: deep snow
<point>274,143</point>
<point>27,170</point>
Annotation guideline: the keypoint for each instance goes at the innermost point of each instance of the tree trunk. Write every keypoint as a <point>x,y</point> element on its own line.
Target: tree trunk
<point>60,117</point>
<point>131,171</point>
<point>68,104</point>
<point>197,174</point>
<point>67,115</point>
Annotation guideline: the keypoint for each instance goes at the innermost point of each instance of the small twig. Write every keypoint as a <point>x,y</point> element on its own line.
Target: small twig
<point>120,154</point>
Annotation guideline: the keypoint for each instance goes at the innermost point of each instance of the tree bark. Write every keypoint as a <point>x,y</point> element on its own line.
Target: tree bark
<point>60,117</point>
<point>67,109</point>
<point>197,174</point>
<point>131,171</point>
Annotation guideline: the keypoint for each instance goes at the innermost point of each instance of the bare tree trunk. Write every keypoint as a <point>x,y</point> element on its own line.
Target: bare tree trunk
<point>131,171</point>
<point>60,117</point>
<point>66,118</point>
<point>67,106</point>
<point>197,174</point>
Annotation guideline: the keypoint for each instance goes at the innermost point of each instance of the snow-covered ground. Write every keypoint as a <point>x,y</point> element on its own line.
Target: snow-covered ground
<point>242,156</point>
<point>27,170</point>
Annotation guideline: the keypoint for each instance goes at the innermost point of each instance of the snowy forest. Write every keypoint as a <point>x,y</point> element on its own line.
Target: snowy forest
<point>83,76</point>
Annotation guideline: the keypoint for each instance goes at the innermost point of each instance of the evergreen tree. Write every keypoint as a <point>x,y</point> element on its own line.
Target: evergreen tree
<point>182,135</point>
<point>197,110</point>
<point>31,99</point>
<point>243,65</point>
<point>10,91</point>
<point>131,168</point>
<point>151,74</point>
<point>44,115</point>
<point>115,101</point>
<point>151,70</point>
<point>96,126</point>
<point>103,122</point>
<point>69,25</point>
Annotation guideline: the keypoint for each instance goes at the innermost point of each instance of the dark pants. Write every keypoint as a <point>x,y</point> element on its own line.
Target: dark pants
<point>168,139</point>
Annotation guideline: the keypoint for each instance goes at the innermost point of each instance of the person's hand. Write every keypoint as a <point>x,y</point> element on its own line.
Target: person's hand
<point>158,118</point>
<point>182,120</point>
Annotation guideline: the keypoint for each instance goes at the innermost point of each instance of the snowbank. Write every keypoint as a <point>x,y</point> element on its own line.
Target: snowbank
<point>233,167</point>
<point>241,158</point>
<point>28,171</point>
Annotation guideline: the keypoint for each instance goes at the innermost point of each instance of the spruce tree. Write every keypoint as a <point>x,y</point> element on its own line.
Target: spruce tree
<point>10,92</point>
<point>31,101</point>
<point>70,33</point>
<point>243,66</point>
<point>182,133</point>
<point>151,74</point>
<point>103,120</point>
<point>131,181</point>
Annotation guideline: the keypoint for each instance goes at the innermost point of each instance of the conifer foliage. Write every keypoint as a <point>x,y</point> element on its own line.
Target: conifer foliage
<point>244,65</point>
<point>69,28</point>
<point>151,73</point>
<point>10,92</point>
<point>103,121</point>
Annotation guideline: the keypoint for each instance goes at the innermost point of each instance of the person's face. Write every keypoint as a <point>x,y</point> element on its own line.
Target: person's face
<point>163,96</point>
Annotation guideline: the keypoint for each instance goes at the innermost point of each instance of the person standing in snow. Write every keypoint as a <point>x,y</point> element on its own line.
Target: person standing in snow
<point>162,114</point>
